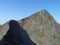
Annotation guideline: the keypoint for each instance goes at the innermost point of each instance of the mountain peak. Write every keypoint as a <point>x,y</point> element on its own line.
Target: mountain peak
<point>41,28</point>
<point>42,15</point>
<point>44,10</point>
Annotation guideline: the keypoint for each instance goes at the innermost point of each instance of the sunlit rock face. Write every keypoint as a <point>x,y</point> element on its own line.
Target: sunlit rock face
<point>38,29</point>
<point>42,28</point>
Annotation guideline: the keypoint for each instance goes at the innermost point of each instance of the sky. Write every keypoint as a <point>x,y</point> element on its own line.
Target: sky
<point>19,9</point>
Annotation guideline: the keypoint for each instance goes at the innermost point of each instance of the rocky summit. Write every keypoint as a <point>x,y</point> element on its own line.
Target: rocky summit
<point>38,29</point>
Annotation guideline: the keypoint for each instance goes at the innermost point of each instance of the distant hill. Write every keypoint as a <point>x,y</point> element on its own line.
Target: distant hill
<point>41,28</point>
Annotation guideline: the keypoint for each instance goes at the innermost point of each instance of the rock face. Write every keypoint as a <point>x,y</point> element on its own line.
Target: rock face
<point>42,28</point>
<point>39,29</point>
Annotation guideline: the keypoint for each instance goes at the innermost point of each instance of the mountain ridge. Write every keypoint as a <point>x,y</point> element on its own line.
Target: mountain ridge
<point>41,28</point>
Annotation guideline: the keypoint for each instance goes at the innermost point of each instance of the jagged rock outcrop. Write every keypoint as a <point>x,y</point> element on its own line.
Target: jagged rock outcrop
<point>41,28</point>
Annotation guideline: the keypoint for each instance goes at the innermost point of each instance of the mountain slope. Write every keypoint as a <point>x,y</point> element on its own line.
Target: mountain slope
<point>41,27</point>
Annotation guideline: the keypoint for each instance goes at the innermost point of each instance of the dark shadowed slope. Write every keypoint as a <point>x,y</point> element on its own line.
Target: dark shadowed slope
<point>16,35</point>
